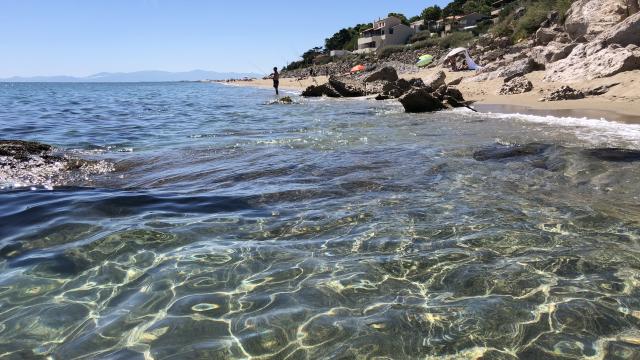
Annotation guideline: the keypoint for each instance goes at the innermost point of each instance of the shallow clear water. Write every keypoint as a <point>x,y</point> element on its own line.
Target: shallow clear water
<point>229,228</point>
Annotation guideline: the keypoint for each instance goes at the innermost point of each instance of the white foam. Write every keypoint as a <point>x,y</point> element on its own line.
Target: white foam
<point>596,131</point>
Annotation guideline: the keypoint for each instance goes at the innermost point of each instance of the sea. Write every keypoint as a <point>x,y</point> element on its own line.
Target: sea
<point>218,224</point>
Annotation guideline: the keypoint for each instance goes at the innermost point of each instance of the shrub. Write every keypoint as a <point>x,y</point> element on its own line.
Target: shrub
<point>386,51</point>
<point>456,39</point>
<point>426,43</point>
<point>421,36</point>
<point>530,21</point>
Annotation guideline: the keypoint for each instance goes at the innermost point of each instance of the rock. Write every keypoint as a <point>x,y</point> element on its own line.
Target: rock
<point>545,35</point>
<point>614,154</point>
<point>22,150</point>
<point>27,163</point>
<point>455,82</point>
<point>564,93</point>
<point>347,87</point>
<point>599,90</point>
<point>552,52</point>
<point>552,18</point>
<point>453,97</point>
<point>417,82</point>
<point>518,85</point>
<point>436,80</point>
<point>624,34</point>
<point>320,90</point>
<point>420,100</point>
<point>285,100</point>
<point>382,97</point>
<point>499,152</point>
<point>594,60</point>
<point>386,73</point>
<point>520,12</point>
<point>589,18</point>
<point>396,89</point>
<point>503,69</point>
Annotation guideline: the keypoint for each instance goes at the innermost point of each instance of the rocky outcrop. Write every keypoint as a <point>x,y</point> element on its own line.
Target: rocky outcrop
<point>420,100</point>
<point>505,69</point>
<point>435,81</point>
<point>594,60</point>
<point>28,163</point>
<point>623,34</point>
<point>599,90</point>
<point>552,52</point>
<point>564,93</point>
<point>517,85</point>
<point>614,154</point>
<point>320,90</point>
<point>615,50</point>
<point>347,86</point>
<point>588,18</point>
<point>386,73</point>
<point>396,89</point>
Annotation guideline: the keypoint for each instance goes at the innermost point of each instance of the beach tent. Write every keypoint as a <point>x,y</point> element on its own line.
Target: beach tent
<point>424,60</point>
<point>457,51</point>
<point>357,68</point>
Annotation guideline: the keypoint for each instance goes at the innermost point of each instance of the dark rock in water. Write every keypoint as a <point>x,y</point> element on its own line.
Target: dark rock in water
<point>382,97</point>
<point>420,100</point>
<point>417,82</point>
<point>285,100</point>
<point>564,93</point>
<point>387,73</point>
<point>347,87</point>
<point>19,149</point>
<point>499,152</point>
<point>320,90</point>
<point>396,89</point>
<point>26,163</point>
<point>614,154</point>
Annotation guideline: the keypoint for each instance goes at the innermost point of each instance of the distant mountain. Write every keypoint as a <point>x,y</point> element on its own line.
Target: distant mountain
<point>138,76</point>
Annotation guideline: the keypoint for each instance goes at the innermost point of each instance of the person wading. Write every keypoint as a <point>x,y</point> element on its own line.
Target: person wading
<point>276,79</point>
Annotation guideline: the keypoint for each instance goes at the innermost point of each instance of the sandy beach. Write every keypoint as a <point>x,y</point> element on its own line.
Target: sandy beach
<point>621,103</point>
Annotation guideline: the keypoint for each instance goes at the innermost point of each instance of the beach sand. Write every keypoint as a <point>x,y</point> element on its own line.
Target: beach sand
<point>621,103</point>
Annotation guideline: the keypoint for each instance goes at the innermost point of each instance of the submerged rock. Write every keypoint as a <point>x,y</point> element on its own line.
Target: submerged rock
<point>27,163</point>
<point>499,152</point>
<point>320,90</point>
<point>614,154</point>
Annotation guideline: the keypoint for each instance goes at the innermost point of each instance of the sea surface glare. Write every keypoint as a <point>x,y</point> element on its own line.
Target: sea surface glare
<point>224,227</point>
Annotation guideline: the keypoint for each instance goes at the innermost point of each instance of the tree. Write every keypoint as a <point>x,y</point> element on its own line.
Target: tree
<point>479,6</point>
<point>400,16</point>
<point>432,13</point>
<point>338,40</point>
<point>311,54</point>
<point>415,18</point>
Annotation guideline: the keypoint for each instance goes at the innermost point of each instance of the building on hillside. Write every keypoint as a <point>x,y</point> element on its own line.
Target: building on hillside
<point>431,26</point>
<point>460,23</point>
<point>385,32</point>
<point>339,53</point>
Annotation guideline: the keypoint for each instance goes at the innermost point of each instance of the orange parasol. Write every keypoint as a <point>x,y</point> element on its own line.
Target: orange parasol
<point>357,68</point>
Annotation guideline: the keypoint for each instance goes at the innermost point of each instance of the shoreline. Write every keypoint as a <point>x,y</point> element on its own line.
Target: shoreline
<point>620,104</point>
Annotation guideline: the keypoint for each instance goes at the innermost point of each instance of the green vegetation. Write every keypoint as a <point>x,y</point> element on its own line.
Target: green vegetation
<point>456,39</point>
<point>345,39</point>
<point>432,13</point>
<point>386,51</point>
<point>420,36</point>
<point>535,13</point>
<point>400,16</point>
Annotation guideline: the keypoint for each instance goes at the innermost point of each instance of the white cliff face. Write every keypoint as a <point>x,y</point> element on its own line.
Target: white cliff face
<point>589,18</point>
<point>615,50</point>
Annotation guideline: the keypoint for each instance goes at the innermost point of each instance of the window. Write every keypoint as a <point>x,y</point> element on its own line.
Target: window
<point>391,31</point>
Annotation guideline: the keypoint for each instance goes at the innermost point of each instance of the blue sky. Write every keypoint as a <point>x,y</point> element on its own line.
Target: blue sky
<point>82,37</point>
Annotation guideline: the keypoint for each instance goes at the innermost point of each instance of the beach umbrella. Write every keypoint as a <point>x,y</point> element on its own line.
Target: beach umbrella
<point>357,68</point>
<point>424,60</point>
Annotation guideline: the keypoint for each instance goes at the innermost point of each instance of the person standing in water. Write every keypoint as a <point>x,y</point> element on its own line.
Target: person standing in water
<point>276,79</point>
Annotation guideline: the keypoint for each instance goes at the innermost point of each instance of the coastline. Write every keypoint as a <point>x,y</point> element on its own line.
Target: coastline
<point>620,104</point>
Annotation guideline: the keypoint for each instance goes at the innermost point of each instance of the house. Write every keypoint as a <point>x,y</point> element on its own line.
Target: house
<point>417,26</point>
<point>431,26</point>
<point>385,32</point>
<point>470,21</point>
<point>458,23</point>
<point>339,53</point>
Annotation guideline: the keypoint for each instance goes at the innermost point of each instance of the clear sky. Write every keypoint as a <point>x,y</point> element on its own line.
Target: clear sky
<point>82,37</point>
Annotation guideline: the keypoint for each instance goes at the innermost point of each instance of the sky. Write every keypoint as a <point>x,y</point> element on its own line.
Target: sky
<point>83,37</point>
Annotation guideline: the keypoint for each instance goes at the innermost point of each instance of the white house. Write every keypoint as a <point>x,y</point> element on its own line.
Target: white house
<point>385,32</point>
<point>339,53</point>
